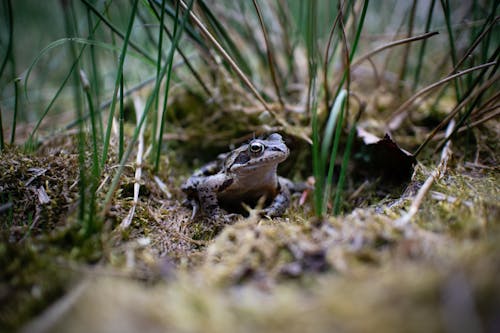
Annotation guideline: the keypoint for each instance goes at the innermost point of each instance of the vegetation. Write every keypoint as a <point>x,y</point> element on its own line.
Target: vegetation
<point>107,106</point>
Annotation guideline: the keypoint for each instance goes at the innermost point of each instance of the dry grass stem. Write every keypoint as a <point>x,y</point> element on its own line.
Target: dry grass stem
<point>397,117</point>
<point>269,53</point>
<point>436,174</point>
<point>139,109</point>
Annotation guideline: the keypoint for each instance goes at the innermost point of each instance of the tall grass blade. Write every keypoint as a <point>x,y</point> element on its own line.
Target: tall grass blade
<point>9,55</point>
<point>119,75</point>
<point>86,220</point>
<point>85,43</point>
<point>224,36</point>
<point>189,29</point>
<point>327,57</point>
<point>406,50</point>
<point>186,60</point>
<point>418,68</point>
<point>318,166</point>
<point>121,121</point>
<point>235,67</point>
<point>10,40</point>
<point>445,5</point>
<point>117,31</point>
<point>2,143</point>
<point>359,28</point>
<point>169,63</point>
<point>343,169</point>
<point>486,44</point>
<point>270,57</point>
<point>158,70</point>
<point>96,80</point>
<point>331,124</point>
<point>14,116</point>
<point>334,126</point>
<point>93,123</point>
<point>147,108</point>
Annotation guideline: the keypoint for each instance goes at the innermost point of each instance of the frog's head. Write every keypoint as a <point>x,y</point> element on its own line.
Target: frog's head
<point>257,155</point>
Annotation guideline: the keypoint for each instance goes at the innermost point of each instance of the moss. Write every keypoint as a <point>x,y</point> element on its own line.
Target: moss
<point>293,271</point>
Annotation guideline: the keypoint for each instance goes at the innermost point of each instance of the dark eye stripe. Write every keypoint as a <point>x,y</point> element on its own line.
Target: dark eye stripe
<point>242,158</point>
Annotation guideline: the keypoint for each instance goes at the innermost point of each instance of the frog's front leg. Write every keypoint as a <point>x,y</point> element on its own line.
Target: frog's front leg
<point>207,194</point>
<point>280,202</point>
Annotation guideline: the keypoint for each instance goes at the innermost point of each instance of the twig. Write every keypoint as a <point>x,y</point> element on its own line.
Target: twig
<point>435,175</point>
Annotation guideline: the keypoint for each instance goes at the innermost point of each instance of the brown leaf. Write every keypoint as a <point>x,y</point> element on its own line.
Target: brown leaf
<point>384,158</point>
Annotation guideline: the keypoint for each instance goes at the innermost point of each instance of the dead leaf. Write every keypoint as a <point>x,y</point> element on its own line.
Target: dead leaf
<point>384,158</point>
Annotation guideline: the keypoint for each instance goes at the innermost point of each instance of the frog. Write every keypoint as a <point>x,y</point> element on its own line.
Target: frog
<point>242,177</point>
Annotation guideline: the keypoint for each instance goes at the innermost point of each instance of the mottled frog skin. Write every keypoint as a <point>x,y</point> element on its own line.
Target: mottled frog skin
<point>243,175</point>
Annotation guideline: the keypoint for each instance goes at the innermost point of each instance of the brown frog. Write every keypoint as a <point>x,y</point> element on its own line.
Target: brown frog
<point>243,175</point>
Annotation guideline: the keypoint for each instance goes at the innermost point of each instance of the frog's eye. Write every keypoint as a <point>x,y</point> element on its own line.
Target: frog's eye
<point>256,147</point>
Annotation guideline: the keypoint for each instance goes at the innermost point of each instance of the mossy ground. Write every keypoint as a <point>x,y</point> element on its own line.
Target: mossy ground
<point>357,272</point>
<point>67,266</point>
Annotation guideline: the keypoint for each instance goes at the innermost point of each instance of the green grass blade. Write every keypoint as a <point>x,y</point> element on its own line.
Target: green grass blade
<point>270,56</point>
<point>85,43</point>
<point>147,108</point>
<point>318,166</point>
<point>186,60</point>
<point>359,28</point>
<point>14,116</point>
<point>2,143</point>
<point>169,62</point>
<point>343,168</point>
<point>189,29</point>
<point>117,31</point>
<point>406,48</point>
<point>336,123</point>
<point>445,5</point>
<point>10,40</point>
<point>487,43</point>
<point>316,162</point>
<point>326,59</point>
<point>93,124</point>
<point>96,80</point>
<point>52,45</point>
<point>121,121</point>
<point>331,124</point>
<point>158,70</point>
<point>119,75</point>
<point>418,68</point>
<point>224,37</point>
